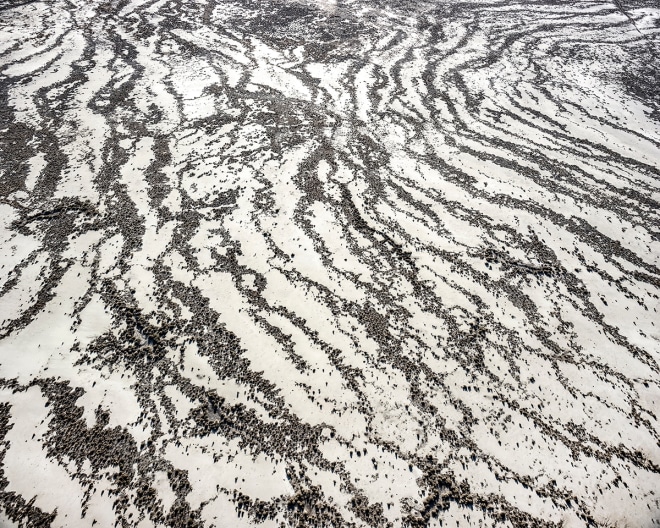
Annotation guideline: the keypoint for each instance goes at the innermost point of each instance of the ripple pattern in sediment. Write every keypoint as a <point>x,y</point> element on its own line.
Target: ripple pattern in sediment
<point>329,264</point>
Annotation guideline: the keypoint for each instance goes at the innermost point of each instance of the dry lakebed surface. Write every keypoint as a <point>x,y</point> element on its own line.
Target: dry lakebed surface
<point>352,263</point>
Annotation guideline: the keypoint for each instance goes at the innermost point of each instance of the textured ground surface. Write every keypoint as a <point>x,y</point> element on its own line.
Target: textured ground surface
<point>371,263</point>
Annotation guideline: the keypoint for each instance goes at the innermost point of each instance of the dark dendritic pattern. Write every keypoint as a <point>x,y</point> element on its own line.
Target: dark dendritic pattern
<point>329,264</point>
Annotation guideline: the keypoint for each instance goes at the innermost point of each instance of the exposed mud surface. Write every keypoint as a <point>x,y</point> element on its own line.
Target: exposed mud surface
<point>339,264</point>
